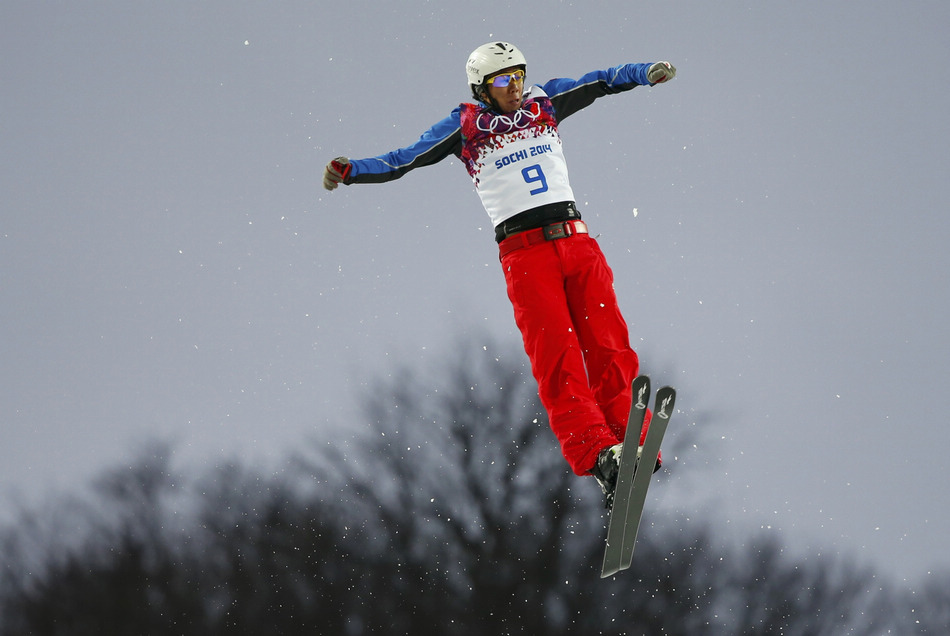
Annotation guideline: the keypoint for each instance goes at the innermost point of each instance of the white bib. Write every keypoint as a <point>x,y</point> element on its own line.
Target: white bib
<point>526,169</point>
<point>515,159</point>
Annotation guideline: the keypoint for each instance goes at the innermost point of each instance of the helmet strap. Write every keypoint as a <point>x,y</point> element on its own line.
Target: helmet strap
<point>482,95</point>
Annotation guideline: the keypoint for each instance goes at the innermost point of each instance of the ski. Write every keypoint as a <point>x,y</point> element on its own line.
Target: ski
<point>628,466</point>
<point>632,484</point>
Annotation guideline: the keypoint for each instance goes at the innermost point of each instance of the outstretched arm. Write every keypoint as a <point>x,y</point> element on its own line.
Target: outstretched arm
<point>569,96</point>
<point>434,145</point>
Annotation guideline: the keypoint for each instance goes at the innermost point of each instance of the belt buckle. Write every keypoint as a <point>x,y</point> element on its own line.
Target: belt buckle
<point>558,231</point>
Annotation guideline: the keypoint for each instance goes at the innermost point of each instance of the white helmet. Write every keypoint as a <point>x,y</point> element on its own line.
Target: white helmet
<point>491,58</point>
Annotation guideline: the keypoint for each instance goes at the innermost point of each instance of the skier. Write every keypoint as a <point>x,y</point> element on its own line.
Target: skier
<point>558,281</point>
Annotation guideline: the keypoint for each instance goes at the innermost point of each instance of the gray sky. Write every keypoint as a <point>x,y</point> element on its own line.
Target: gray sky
<point>776,218</point>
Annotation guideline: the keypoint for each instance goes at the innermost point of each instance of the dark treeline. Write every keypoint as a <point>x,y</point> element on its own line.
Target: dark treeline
<point>451,512</point>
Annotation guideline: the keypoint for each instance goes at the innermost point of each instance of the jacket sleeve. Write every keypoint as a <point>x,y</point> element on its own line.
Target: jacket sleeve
<point>569,96</point>
<point>437,143</point>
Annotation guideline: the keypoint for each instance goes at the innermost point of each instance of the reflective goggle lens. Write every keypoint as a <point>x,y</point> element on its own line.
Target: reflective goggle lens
<point>502,81</point>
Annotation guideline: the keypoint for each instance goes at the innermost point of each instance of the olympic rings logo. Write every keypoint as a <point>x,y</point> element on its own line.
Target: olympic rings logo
<point>501,124</point>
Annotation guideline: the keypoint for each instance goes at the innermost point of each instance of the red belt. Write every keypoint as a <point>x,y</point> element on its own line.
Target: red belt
<point>551,232</point>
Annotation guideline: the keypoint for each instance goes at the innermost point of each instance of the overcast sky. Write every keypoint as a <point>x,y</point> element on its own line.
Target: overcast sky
<point>776,218</point>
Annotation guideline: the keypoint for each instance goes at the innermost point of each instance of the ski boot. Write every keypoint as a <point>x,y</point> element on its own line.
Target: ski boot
<point>605,471</point>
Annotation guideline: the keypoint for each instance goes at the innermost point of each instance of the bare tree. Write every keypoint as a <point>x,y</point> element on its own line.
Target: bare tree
<point>450,512</point>
<point>927,611</point>
<point>473,481</point>
<point>99,566</point>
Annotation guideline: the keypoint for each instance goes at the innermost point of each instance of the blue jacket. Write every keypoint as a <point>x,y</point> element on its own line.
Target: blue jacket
<point>445,138</point>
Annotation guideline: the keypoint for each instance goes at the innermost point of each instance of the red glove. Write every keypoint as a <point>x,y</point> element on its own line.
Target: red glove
<point>336,173</point>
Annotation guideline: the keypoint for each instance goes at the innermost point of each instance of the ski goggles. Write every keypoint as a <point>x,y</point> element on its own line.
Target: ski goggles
<point>501,81</point>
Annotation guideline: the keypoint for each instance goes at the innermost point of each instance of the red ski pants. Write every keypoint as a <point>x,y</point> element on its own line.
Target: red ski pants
<point>564,303</point>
